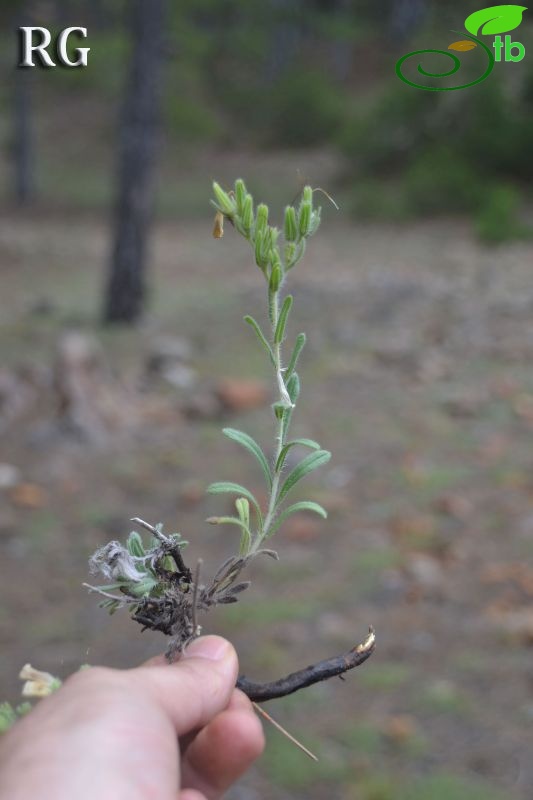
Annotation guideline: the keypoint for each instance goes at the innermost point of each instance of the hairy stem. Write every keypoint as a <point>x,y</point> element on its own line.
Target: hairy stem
<point>282,430</point>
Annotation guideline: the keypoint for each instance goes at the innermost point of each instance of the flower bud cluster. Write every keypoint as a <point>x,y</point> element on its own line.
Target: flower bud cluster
<point>299,223</point>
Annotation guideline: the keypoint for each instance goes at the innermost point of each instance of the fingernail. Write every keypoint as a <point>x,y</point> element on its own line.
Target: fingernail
<point>212,647</point>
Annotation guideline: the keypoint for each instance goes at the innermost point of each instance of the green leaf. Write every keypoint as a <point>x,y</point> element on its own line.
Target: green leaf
<point>493,20</point>
<point>307,465</point>
<point>245,543</point>
<point>246,536</point>
<point>228,487</point>
<point>298,347</point>
<point>303,442</point>
<point>251,445</point>
<point>243,510</point>
<point>293,387</point>
<point>304,505</point>
<point>226,521</point>
<point>8,716</point>
<point>111,587</point>
<point>135,545</point>
<point>279,333</point>
<point>261,336</point>
<point>110,605</point>
<point>24,708</point>
<point>142,588</point>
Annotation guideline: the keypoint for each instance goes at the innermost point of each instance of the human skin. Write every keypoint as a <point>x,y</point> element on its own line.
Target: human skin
<point>156,732</point>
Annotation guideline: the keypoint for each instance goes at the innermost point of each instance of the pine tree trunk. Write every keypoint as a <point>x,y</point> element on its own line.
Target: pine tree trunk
<point>22,146</point>
<point>126,289</point>
<point>23,178</point>
<point>406,16</point>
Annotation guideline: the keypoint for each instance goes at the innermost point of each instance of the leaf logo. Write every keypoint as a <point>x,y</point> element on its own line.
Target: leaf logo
<point>493,20</point>
<point>462,46</point>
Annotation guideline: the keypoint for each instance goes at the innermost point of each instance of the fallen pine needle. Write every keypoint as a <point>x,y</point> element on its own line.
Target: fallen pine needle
<point>280,728</point>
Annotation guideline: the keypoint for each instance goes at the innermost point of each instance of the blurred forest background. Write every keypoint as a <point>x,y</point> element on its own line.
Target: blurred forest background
<point>417,298</point>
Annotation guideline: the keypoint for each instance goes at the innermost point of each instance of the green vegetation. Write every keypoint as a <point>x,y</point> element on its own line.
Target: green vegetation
<point>498,215</point>
<point>413,154</point>
<point>449,787</point>
<point>286,767</point>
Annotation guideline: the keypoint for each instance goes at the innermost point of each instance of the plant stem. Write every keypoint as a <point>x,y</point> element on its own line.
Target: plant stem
<point>273,308</point>
<point>322,671</point>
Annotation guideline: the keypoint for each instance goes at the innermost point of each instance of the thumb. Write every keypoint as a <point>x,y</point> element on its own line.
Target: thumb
<point>196,688</point>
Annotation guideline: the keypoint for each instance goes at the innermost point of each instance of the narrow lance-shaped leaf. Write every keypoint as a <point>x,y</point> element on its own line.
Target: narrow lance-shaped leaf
<point>251,445</point>
<point>307,465</point>
<point>304,505</point>
<point>246,536</point>
<point>226,521</point>
<point>293,387</point>
<point>495,19</point>
<point>243,510</point>
<point>282,319</point>
<point>261,336</point>
<point>303,442</point>
<point>298,347</point>
<point>142,588</point>
<point>228,487</point>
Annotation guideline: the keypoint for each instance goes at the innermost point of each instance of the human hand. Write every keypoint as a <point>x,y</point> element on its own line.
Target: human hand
<point>157,732</point>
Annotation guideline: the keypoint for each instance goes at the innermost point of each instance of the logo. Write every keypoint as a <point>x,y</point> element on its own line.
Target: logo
<point>44,39</point>
<point>491,21</point>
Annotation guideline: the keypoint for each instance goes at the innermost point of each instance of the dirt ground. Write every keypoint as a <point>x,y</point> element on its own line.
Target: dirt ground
<point>417,376</point>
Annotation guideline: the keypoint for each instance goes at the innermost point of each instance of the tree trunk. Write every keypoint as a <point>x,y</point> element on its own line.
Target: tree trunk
<point>406,16</point>
<point>126,289</point>
<point>23,179</point>
<point>22,144</point>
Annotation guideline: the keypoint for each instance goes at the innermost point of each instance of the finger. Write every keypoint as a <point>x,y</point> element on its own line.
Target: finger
<point>196,688</point>
<point>238,701</point>
<point>191,794</point>
<point>224,749</point>
<point>155,661</point>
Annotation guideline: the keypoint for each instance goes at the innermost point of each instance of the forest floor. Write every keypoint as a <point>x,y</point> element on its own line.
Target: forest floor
<point>418,376</point>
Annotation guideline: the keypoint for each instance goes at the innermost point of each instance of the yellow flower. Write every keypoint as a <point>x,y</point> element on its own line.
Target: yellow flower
<point>38,684</point>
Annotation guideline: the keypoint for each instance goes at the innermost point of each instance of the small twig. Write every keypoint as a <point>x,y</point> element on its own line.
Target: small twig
<point>146,525</point>
<point>122,599</point>
<point>286,733</point>
<point>329,668</point>
<point>196,628</point>
<point>175,551</point>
